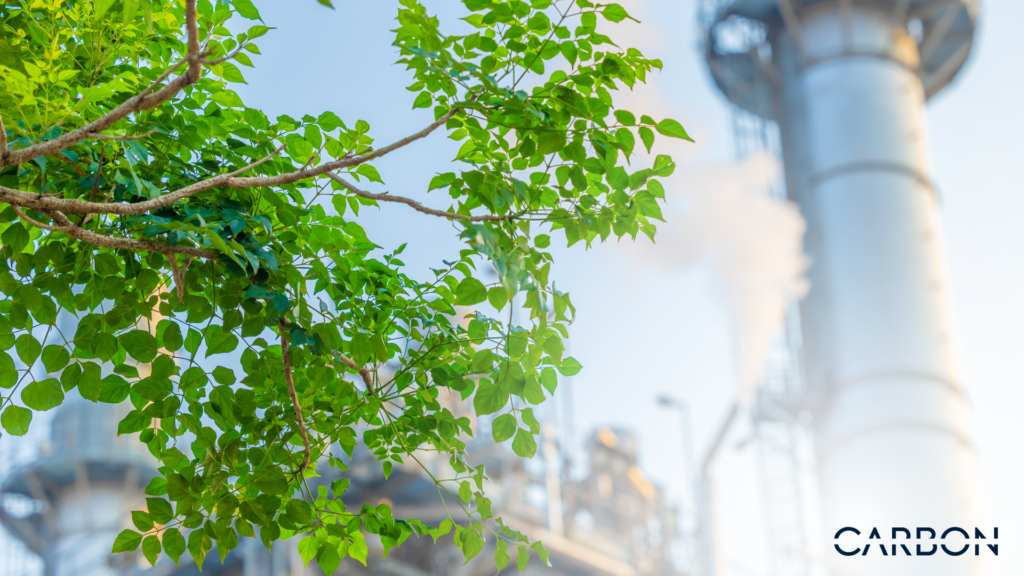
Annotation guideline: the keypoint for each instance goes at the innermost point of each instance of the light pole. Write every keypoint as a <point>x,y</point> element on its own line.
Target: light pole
<point>692,524</point>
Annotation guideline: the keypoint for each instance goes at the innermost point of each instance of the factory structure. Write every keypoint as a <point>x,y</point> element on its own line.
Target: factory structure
<point>861,417</point>
<point>866,396</point>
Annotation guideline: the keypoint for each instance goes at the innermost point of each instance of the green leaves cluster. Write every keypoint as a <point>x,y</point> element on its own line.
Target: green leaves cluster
<point>529,94</point>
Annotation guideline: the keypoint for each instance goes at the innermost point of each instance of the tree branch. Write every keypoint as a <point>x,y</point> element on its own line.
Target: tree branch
<point>385,197</point>
<point>192,30</point>
<point>363,372</point>
<point>145,100</point>
<point>295,398</point>
<point>341,163</point>
<point>89,237</point>
<point>38,224</point>
<point>41,203</point>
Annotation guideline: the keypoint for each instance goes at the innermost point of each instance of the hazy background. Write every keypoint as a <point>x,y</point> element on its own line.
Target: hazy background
<point>693,316</point>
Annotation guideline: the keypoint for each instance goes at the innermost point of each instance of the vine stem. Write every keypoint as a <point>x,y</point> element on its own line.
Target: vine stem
<point>295,398</point>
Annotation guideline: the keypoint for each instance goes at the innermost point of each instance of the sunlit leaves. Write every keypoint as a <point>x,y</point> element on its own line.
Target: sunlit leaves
<point>16,420</point>
<point>127,541</point>
<point>43,395</point>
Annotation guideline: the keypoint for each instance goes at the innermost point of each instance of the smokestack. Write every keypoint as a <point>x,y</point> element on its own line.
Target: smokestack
<point>847,82</point>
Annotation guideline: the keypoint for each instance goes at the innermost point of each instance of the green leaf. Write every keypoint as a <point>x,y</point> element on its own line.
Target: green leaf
<point>163,367</point>
<point>16,236</point>
<point>16,420</point>
<point>647,135</point>
<point>648,205</point>
<point>328,558</point>
<point>231,73</point>
<point>549,141</point>
<point>89,381</point>
<point>43,395</point>
<point>524,444</point>
<point>538,547</point>
<point>503,427</point>
<point>498,297</point>
<point>8,374</point>
<point>541,241</point>
<point>272,482</point>
<point>142,520</point>
<point>168,335</point>
<point>570,367</point>
<point>140,344</point>
<point>471,543</point>
<point>105,346</point>
<point>469,292</point>
<point>193,378</point>
<point>156,487</point>
<point>245,9</point>
<point>223,375</point>
<point>549,379</point>
<point>530,420</point>
<point>127,541</point>
<point>113,389</point>
<point>625,118</point>
<point>219,341</point>
<point>55,358</point>
<point>614,13</point>
<point>423,100</point>
<point>199,543</point>
<point>160,510</point>
<point>501,556</point>
<point>174,544</point>
<point>28,349</point>
<point>308,547</point>
<point>489,398</point>
<point>133,422</point>
<point>672,129</point>
<point>522,557</point>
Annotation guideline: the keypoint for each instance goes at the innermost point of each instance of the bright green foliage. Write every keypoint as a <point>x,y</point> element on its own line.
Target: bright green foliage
<point>194,226</point>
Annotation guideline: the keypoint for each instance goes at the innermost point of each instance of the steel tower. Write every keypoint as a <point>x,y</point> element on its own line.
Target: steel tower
<point>847,82</point>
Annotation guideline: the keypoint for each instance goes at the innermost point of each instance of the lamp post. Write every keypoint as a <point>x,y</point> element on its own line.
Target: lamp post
<point>691,527</point>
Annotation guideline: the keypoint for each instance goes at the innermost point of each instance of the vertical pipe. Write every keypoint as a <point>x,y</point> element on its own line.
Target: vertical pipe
<point>890,417</point>
<point>708,523</point>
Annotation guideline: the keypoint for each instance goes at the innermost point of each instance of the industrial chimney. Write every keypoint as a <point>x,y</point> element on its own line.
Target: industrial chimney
<point>847,81</point>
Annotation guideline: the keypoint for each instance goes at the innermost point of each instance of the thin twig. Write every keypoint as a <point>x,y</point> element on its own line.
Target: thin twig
<point>295,398</point>
<point>223,58</point>
<point>385,197</point>
<point>258,162</point>
<point>363,372</point>
<point>38,224</point>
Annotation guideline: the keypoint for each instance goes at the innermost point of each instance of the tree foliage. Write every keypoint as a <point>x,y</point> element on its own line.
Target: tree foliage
<point>152,220</point>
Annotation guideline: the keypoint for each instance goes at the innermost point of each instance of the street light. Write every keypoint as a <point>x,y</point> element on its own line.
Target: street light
<point>691,529</point>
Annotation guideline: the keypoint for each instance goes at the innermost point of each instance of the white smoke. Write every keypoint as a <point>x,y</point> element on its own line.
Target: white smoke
<point>720,214</point>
